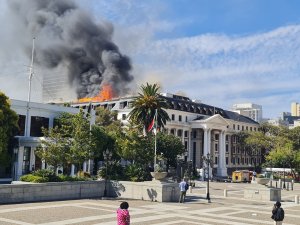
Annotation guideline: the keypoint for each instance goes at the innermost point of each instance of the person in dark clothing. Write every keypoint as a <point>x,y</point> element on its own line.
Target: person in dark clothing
<point>277,213</point>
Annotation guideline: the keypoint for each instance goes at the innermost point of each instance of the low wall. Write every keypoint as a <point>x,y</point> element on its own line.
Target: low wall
<point>15,193</point>
<point>148,190</point>
<point>32,192</point>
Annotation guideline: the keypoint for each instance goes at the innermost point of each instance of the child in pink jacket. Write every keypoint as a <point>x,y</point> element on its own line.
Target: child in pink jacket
<point>123,216</point>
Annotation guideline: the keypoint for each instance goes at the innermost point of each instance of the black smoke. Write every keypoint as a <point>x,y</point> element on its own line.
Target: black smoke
<point>67,35</point>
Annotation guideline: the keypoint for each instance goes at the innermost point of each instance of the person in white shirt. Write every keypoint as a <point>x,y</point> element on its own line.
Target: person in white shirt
<point>183,188</point>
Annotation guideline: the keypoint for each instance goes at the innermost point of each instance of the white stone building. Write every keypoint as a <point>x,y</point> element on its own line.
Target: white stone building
<point>28,138</point>
<point>202,128</point>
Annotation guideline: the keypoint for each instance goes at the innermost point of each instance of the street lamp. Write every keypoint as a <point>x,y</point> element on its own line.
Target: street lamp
<point>107,157</point>
<point>207,160</point>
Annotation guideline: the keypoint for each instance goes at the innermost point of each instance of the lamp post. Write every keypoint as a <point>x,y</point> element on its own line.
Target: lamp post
<point>207,160</point>
<point>107,157</point>
<point>284,177</point>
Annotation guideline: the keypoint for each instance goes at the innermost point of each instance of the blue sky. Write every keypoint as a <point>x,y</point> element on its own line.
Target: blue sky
<point>221,52</point>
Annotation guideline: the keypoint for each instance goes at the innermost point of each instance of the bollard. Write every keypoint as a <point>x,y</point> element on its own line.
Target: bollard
<point>297,199</point>
<point>288,186</point>
<point>276,183</point>
<point>225,193</point>
<point>271,183</point>
<point>280,183</point>
<point>190,189</point>
<point>292,185</point>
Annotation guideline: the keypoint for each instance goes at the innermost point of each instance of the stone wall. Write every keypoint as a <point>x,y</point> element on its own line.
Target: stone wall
<point>31,192</point>
<point>15,193</point>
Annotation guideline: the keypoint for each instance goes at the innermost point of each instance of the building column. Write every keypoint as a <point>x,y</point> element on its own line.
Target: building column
<point>43,164</point>
<point>72,170</point>
<point>20,162</point>
<point>190,150</point>
<point>84,166</point>
<point>32,159</point>
<point>222,170</point>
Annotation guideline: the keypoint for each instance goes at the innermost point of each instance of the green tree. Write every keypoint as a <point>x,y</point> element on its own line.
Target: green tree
<point>54,147</point>
<point>67,143</point>
<point>284,155</point>
<point>145,106</point>
<point>170,147</point>
<point>8,128</point>
<point>136,148</point>
<point>255,142</point>
<point>80,141</point>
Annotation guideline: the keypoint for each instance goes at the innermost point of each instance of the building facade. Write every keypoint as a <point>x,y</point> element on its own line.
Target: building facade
<point>30,133</point>
<point>202,128</point>
<point>295,109</point>
<point>250,110</point>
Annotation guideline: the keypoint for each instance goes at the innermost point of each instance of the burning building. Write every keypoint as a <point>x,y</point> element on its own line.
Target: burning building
<point>73,50</point>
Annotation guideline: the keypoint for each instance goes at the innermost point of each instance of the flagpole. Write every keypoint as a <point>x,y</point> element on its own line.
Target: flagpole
<point>155,131</point>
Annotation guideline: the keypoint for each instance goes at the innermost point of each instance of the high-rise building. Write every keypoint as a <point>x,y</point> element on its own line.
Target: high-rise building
<point>57,88</point>
<point>250,110</point>
<point>295,109</point>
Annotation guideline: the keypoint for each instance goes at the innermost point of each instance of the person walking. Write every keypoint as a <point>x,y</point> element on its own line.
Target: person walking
<point>183,188</point>
<point>277,213</point>
<point>123,216</point>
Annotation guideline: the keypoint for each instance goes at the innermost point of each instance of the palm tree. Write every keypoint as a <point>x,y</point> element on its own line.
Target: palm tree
<point>146,104</point>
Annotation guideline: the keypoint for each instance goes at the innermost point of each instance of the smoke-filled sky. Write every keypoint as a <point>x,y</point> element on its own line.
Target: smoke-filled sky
<point>221,52</point>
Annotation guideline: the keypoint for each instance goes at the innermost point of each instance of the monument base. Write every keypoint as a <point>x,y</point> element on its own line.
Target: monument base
<point>149,190</point>
<point>259,192</point>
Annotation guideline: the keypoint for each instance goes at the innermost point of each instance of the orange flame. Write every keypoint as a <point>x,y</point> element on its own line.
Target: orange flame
<point>106,93</point>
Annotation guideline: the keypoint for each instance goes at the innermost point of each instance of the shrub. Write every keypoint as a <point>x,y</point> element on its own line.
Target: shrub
<point>115,171</point>
<point>135,172</point>
<point>84,174</point>
<point>49,175</point>
<point>34,179</point>
<point>63,178</point>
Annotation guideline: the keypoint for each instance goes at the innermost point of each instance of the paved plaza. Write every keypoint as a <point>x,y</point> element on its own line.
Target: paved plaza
<point>233,210</point>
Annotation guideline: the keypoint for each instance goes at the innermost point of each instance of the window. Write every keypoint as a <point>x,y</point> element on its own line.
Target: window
<point>172,131</point>
<point>180,118</point>
<point>173,117</point>
<point>216,137</point>
<point>194,134</point>
<point>242,127</point>
<point>179,133</point>
<point>186,119</point>
<point>26,160</point>
<point>216,147</point>
<point>226,160</point>
<point>233,160</point>
<point>185,133</point>
<point>36,125</point>
<point>246,127</point>
<point>234,126</point>
<point>185,145</point>
<point>216,160</point>
<point>233,149</point>
<point>227,137</point>
<point>194,146</point>
<point>250,128</point>
<point>227,148</point>
<point>242,160</point>
<point>238,127</point>
<point>254,128</point>
<point>21,123</point>
<point>123,116</point>
<point>238,160</point>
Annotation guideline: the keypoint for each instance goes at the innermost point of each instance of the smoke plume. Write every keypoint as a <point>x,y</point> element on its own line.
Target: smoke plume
<point>67,35</point>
